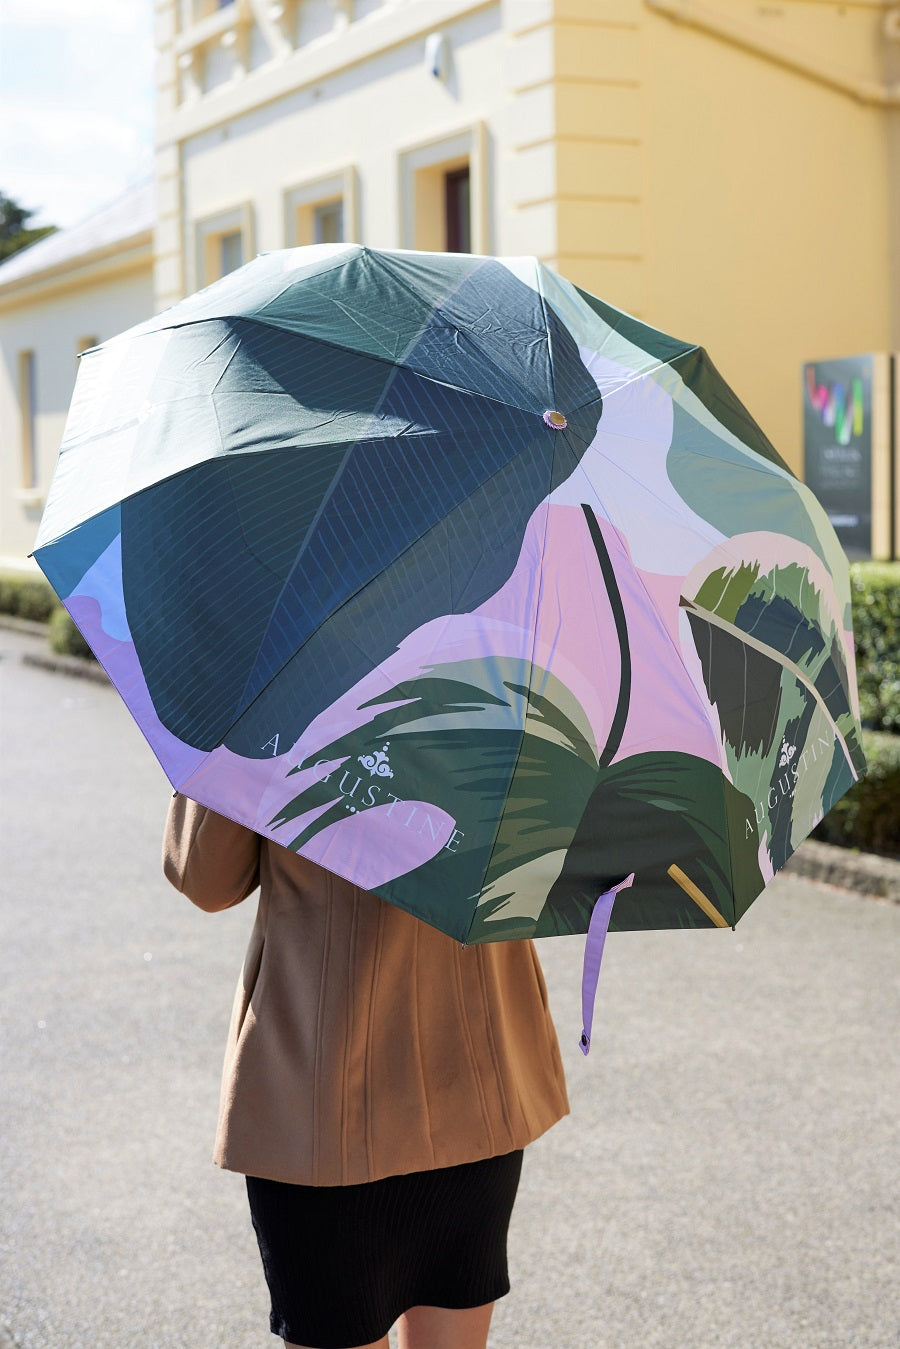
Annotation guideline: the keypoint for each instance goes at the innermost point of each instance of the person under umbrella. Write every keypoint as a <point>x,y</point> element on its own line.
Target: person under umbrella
<point>441,576</point>
<point>380,1084</point>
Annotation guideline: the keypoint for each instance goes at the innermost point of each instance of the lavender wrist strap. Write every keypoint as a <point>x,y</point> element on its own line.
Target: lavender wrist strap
<point>593,955</point>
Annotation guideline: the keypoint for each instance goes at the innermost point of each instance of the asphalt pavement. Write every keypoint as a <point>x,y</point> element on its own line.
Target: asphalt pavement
<point>727,1177</point>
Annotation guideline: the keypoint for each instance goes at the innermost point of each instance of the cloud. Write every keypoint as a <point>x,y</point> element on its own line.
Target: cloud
<point>112,15</point>
<point>64,166</point>
<point>76,111</point>
<point>54,134</point>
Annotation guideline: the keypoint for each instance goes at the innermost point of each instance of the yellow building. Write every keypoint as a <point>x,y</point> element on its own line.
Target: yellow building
<point>728,170</point>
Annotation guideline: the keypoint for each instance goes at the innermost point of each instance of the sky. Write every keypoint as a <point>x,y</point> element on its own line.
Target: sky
<point>76,103</point>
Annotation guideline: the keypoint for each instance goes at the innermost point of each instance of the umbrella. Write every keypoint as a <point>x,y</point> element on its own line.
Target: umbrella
<point>453,578</point>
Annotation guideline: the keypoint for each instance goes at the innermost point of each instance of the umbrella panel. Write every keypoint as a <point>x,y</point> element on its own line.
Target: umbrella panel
<point>390,616</point>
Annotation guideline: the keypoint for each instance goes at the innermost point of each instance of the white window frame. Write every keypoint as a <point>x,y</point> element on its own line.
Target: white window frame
<point>209,230</point>
<point>453,149</point>
<point>338,184</point>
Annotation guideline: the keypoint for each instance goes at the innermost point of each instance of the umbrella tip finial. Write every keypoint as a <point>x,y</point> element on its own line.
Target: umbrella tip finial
<point>555,419</point>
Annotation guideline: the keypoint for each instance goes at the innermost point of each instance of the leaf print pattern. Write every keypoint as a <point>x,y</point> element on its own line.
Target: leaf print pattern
<point>462,583</point>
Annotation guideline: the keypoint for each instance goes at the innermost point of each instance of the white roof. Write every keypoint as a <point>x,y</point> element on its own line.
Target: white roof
<point>129,215</point>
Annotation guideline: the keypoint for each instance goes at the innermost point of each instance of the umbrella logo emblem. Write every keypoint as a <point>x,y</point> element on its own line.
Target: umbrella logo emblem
<point>787,753</point>
<point>378,763</point>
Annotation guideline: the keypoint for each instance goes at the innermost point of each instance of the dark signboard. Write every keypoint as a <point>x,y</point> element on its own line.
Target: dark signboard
<point>837,443</point>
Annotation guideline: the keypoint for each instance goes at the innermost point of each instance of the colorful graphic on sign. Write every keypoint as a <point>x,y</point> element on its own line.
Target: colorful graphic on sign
<point>839,405</point>
<point>837,441</point>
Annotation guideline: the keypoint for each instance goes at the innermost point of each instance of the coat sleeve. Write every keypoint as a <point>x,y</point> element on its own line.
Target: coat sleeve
<point>212,860</point>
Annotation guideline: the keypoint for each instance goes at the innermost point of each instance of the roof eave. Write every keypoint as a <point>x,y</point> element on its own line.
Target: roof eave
<point>96,264</point>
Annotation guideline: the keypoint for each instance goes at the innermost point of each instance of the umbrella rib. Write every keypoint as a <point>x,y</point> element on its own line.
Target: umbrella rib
<point>730,436</point>
<point>395,367</point>
<point>227,364</point>
<point>537,609</point>
<point>437,309</point>
<point>399,364</point>
<point>348,599</point>
<point>146,330</point>
<point>340,260</point>
<point>712,535</point>
<point>306,538</point>
<point>639,374</point>
<point>708,616</point>
<point>543,299</point>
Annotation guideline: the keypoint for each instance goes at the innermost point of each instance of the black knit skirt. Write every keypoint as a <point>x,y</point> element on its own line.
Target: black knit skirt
<point>343,1262</point>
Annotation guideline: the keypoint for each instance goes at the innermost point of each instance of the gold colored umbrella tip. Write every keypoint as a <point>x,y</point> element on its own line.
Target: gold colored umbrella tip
<point>555,419</point>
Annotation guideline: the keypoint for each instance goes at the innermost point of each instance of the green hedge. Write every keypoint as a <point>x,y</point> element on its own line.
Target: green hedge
<point>875,588</point>
<point>868,817</point>
<point>63,636</point>
<point>26,596</point>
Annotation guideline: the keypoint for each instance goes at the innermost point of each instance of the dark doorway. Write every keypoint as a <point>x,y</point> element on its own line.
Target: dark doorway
<point>458,224</point>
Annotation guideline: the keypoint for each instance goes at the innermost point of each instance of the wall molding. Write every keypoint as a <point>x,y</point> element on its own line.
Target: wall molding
<point>742,34</point>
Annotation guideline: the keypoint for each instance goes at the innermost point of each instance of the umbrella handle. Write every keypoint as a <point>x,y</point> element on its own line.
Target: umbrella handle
<point>593,955</point>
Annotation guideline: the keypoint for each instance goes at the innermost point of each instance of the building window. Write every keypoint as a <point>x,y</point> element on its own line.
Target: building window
<point>328,223</point>
<point>457,215</point>
<point>28,439</point>
<point>192,11</point>
<point>314,19</point>
<point>322,210</point>
<point>444,193</point>
<point>224,243</point>
<point>231,252</point>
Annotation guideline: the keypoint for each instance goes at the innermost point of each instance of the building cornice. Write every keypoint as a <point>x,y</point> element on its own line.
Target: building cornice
<point>352,46</point>
<point>741,33</point>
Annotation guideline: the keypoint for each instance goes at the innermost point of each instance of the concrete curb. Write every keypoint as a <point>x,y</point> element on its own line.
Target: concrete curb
<point>864,873</point>
<point>42,658</point>
<point>33,627</point>
<point>78,666</point>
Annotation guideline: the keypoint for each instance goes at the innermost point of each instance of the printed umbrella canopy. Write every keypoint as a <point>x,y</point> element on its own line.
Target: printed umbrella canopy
<point>453,578</point>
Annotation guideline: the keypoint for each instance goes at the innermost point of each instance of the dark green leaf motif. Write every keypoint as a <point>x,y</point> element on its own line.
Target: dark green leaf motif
<point>568,827</point>
<point>794,747</point>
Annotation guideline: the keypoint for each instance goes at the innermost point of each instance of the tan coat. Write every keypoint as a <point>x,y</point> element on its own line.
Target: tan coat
<point>363,1042</point>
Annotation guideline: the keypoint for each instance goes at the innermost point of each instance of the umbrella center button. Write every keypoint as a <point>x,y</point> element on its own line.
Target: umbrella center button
<point>555,419</point>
